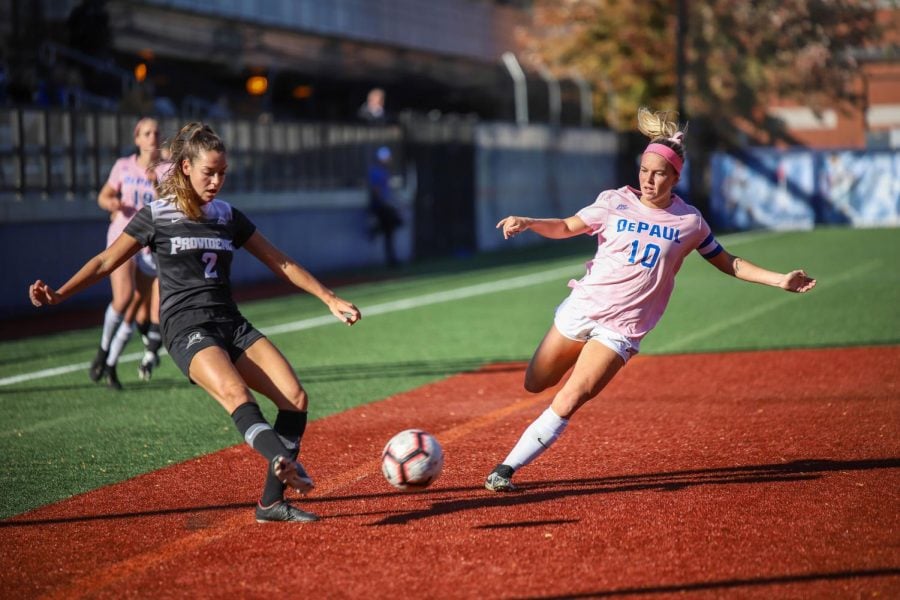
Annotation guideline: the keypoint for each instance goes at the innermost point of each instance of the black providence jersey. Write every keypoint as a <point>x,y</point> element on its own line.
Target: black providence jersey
<point>193,258</point>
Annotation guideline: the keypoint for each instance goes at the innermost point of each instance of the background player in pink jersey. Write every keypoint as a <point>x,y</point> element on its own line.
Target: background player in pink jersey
<point>642,238</point>
<point>131,185</point>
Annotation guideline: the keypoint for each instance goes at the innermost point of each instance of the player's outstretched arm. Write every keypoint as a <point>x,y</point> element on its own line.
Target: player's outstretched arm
<point>556,229</point>
<point>93,271</point>
<point>287,269</point>
<point>795,281</point>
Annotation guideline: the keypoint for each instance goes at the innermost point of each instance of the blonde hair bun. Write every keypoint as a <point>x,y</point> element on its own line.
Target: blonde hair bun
<point>660,125</point>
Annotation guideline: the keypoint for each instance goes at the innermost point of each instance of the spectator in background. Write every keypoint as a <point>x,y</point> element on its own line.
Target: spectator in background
<point>385,215</point>
<point>219,109</point>
<point>372,111</point>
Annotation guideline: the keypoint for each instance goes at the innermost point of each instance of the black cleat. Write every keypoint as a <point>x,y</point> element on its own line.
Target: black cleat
<point>98,365</point>
<point>111,378</point>
<point>499,480</point>
<point>281,512</point>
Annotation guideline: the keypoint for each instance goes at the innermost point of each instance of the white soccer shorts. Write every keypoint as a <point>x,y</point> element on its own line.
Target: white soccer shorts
<point>571,322</point>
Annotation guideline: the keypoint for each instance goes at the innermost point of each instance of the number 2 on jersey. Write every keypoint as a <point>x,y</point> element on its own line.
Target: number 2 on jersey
<point>210,259</point>
<point>651,254</point>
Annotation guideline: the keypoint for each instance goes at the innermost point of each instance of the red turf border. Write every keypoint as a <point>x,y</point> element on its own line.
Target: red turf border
<point>762,474</point>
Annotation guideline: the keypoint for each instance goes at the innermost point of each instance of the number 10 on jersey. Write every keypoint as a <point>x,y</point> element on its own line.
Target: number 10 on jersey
<point>650,255</point>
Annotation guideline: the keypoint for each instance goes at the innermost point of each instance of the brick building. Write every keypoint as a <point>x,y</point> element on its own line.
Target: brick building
<point>873,124</point>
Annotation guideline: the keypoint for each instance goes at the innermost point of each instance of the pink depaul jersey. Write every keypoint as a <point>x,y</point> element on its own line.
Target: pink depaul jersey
<point>136,190</point>
<point>639,250</point>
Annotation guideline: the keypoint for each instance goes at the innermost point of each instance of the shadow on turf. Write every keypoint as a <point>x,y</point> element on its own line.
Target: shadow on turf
<point>519,524</point>
<point>388,370</point>
<point>194,522</point>
<point>160,383</point>
<point>730,584</point>
<point>535,493</point>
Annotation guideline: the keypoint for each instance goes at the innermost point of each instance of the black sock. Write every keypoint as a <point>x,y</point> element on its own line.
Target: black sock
<point>142,328</point>
<point>257,432</point>
<point>154,338</point>
<point>289,425</point>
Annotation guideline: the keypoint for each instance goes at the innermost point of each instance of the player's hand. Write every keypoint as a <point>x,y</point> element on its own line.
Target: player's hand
<point>42,294</point>
<point>512,226</point>
<point>345,311</point>
<point>797,281</point>
<point>113,205</point>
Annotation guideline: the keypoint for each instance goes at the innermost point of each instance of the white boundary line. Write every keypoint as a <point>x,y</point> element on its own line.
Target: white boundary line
<point>368,311</point>
<point>479,289</point>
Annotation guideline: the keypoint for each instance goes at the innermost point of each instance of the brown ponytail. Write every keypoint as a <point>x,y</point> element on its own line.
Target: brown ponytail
<point>193,139</point>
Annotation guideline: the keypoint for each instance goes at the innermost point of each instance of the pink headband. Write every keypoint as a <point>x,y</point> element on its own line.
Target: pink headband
<point>667,153</point>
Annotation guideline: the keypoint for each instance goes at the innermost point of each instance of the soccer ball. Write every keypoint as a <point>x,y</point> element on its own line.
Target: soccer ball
<point>412,459</point>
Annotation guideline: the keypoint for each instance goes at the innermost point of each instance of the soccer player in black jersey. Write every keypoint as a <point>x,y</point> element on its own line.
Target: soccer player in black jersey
<point>193,236</point>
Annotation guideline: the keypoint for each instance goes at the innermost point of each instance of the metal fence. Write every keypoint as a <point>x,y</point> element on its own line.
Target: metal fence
<point>68,154</point>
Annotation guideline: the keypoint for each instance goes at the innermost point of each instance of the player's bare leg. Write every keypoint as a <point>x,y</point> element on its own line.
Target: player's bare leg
<point>267,371</point>
<point>596,366</point>
<point>554,356</point>
<point>212,369</point>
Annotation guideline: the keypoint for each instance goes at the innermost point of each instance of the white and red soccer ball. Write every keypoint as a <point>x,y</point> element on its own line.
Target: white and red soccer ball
<point>412,459</point>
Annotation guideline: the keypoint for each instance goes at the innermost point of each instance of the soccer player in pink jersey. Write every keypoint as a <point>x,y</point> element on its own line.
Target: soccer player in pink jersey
<point>131,185</point>
<point>643,236</point>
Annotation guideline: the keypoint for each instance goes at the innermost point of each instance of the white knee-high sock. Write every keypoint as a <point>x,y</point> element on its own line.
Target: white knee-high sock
<point>123,334</point>
<point>111,322</point>
<point>539,436</point>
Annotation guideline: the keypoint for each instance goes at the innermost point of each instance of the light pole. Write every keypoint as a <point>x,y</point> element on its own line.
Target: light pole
<point>681,64</point>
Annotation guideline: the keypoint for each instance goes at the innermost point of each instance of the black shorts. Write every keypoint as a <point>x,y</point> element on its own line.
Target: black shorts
<point>232,336</point>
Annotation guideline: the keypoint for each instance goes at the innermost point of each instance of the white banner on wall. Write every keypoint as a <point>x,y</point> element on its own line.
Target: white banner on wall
<point>771,191</point>
<point>795,189</point>
<point>862,189</point>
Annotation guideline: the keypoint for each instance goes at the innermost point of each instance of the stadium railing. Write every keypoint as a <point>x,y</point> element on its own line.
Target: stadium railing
<point>66,155</point>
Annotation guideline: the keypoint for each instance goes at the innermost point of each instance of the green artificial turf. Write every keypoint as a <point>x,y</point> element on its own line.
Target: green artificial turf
<point>62,434</point>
